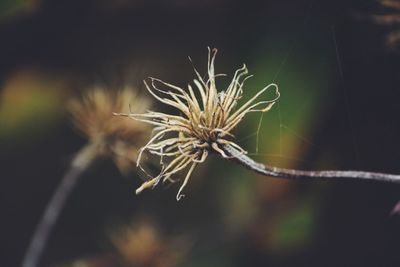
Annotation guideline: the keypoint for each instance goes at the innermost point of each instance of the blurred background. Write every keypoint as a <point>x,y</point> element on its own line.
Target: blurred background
<point>339,109</point>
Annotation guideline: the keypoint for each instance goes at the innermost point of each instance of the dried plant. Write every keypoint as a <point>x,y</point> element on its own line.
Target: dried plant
<point>204,126</point>
<point>111,136</point>
<point>107,136</point>
<point>392,18</point>
<point>142,243</point>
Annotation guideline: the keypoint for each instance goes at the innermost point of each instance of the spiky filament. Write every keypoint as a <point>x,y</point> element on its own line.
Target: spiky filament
<point>205,122</point>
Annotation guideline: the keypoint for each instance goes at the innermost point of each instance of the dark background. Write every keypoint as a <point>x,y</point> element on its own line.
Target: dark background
<point>354,125</point>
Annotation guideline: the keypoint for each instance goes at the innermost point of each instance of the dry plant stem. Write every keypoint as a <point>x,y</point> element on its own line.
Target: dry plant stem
<point>242,159</point>
<point>81,162</point>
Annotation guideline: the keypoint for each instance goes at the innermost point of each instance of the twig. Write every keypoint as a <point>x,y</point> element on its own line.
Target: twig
<point>242,159</point>
<point>81,162</point>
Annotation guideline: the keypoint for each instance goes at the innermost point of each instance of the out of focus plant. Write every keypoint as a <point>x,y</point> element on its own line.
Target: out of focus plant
<point>107,136</point>
<point>390,19</point>
<point>30,101</point>
<point>142,243</point>
<point>139,243</point>
<point>14,8</point>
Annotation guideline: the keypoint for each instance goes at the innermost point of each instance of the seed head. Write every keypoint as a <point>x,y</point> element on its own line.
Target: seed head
<point>92,115</point>
<point>391,19</point>
<point>143,243</point>
<point>205,121</point>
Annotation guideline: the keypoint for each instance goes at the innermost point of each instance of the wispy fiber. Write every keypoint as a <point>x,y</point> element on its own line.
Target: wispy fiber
<point>204,123</point>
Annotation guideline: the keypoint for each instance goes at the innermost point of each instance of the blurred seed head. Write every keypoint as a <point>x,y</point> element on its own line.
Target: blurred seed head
<point>142,244</point>
<point>390,19</point>
<point>205,121</point>
<point>92,115</point>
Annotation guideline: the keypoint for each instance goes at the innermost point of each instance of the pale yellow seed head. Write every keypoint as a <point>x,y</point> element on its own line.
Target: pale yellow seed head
<point>142,243</point>
<point>205,120</point>
<point>92,115</point>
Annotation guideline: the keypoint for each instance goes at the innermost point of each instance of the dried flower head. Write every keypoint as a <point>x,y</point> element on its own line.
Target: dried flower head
<point>205,123</point>
<point>391,18</point>
<point>142,243</point>
<point>92,114</point>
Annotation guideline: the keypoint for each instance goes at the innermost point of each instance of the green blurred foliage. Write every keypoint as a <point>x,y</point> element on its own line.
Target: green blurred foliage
<point>31,104</point>
<point>284,137</point>
<point>13,8</point>
<point>294,229</point>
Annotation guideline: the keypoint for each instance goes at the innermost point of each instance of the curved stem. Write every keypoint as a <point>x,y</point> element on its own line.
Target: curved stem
<point>242,159</point>
<point>81,162</point>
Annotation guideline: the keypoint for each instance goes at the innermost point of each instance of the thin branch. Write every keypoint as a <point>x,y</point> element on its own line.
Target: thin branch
<point>81,162</point>
<point>242,159</point>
